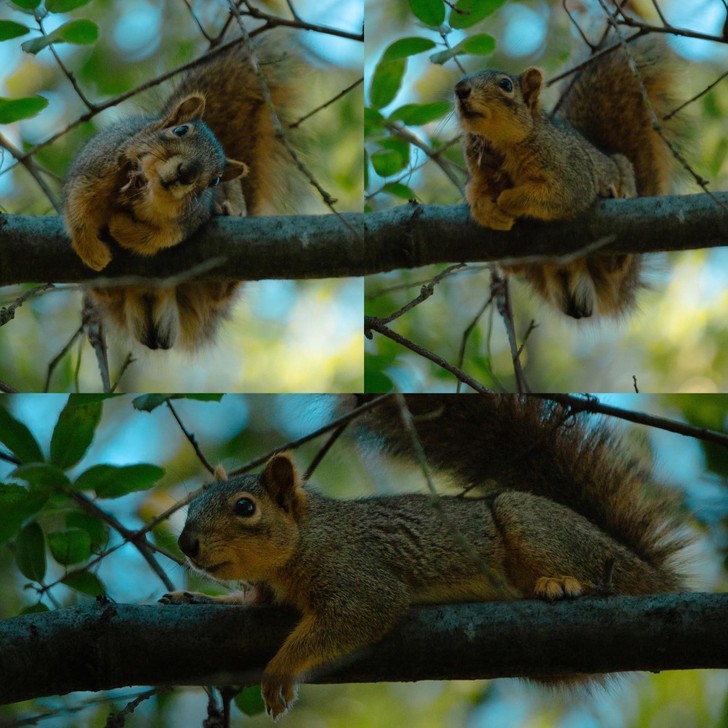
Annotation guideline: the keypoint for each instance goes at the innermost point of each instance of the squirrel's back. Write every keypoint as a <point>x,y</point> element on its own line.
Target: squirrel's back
<point>495,442</point>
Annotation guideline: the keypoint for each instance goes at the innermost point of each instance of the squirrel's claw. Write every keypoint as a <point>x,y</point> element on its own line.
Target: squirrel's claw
<point>279,694</point>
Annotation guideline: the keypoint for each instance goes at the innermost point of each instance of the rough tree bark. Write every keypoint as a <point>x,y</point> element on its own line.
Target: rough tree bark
<point>328,246</point>
<point>106,645</point>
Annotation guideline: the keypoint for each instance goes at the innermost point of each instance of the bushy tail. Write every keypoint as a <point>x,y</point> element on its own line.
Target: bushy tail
<point>512,442</point>
<point>606,103</point>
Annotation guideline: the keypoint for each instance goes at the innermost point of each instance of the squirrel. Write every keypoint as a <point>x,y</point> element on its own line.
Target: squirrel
<point>148,183</point>
<point>600,143</point>
<point>560,513</point>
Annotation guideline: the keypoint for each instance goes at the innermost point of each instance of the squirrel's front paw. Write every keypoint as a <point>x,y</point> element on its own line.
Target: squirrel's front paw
<point>486,213</point>
<point>279,694</point>
<point>96,256</point>
<point>558,587</point>
<point>185,597</point>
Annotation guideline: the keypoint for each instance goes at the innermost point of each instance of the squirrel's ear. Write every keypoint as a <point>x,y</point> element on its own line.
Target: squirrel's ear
<point>190,108</point>
<point>531,81</point>
<point>233,170</point>
<point>281,482</point>
<point>220,474</point>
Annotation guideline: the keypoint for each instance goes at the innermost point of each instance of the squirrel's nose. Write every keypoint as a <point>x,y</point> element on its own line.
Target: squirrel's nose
<point>189,543</point>
<point>462,90</point>
<point>188,171</point>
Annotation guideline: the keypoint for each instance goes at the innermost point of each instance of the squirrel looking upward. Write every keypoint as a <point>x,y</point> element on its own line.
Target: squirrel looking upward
<point>600,143</point>
<point>561,512</point>
<point>147,183</point>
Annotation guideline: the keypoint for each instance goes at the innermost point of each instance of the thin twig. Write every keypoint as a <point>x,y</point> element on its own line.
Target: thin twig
<point>57,358</point>
<point>499,286</point>
<point>144,547</point>
<point>191,438</point>
<point>323,450</point>
<point>34,172</point>
<point>427,290</point>
<point>434,155</point>
<point>586,403</point>
<point>297,123</point>
<point>371,323</point>
<point>466,335</point>
<point>7,313</point>
<point>125,365</point>
<point>273,21</point>
<point>669,116</point>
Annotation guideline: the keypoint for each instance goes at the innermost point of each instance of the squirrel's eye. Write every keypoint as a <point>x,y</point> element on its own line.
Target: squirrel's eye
<point>244,507</point>
<point>215,182</point>
<point>506,84</point>
<point>180,131</point>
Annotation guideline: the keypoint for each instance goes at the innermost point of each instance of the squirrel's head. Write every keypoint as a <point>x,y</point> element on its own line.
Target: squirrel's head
<point>179,156</point>
<point>246,528</point>
<point>497,106</point>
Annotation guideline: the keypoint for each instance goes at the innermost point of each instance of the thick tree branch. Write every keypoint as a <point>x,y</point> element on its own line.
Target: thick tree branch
<point>353,244</point>
<point>106,645</point>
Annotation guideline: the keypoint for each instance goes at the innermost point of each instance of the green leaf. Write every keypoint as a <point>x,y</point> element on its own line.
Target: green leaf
<point>373,122</point>
<point>30,552</point>
<point>399,190</point>
<point>481,44</point>
<point>10,29</point>
<point>417,114</point>
<point>405,47</point>
<point>386,162</point>
<point>149,402</point>
<point>250,701</point>
<point>18,439</point>
<point>79,32</point>
<point>84,582</point>
<point>63,6</point>
<point>17,505</point>
<point>113,481</point>
<point>93,525</point>
<point>391,158</point>
<point>430,12</point>
<point>15,109</point>
<point>389,72</point>
<point>71,546</point>
<point>35,608</point>
<point>74,430</point>
<point>11,495</point>
<point>27,4</point>
<point>386,80</point>
<point>42,477</point>
<point>37,44</point>
<point>375,377</point>
<point>469,12</point>
<point>477,45</point>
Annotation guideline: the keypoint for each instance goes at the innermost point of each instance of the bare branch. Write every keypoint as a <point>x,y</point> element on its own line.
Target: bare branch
<point>48,653</point>
<point>408,236</point>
